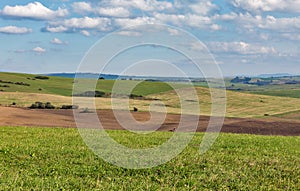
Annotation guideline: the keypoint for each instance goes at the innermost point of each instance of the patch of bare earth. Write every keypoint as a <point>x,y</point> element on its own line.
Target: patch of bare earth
<point>10,116</point>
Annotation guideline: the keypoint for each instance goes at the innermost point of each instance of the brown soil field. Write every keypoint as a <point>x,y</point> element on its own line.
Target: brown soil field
<point>12,116</point>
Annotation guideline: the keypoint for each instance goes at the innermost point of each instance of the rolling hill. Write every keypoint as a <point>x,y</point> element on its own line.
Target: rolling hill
<point>57,90</point>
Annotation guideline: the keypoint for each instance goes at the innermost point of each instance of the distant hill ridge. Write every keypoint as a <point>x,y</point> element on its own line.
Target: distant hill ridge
<point>276,75</point>
<point>84,75</point>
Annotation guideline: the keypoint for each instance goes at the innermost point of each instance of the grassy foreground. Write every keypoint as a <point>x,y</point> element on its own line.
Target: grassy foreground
<point>57,159</point>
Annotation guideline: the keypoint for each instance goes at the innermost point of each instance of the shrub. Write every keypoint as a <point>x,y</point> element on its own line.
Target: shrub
<point>6,82</point>
<point>48,105</point>
<point>22,84</point>
<point>41,105</point>
<point>91,94</point>
<point>133,96</point>
<point>69,107</point>
<point>42,77</point>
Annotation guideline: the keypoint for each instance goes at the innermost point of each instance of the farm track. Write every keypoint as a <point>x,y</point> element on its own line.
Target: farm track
<point>10,116</point>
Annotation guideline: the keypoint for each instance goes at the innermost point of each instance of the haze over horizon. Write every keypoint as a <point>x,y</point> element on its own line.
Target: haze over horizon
<point>245,37</point>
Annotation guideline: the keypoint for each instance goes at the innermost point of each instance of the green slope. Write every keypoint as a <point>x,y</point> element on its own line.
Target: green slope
<point>54,85</point>
<point>63,86</point>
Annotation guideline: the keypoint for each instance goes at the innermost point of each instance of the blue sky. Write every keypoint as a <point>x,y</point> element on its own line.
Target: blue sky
<point>245,36</point>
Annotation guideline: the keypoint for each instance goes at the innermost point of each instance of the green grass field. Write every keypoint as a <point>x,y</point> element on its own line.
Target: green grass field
<point>64,86</point>
<point>57,159</point>
<point>282,90</point>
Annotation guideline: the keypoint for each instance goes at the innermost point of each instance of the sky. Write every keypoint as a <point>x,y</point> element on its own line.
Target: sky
<point>246,37</point>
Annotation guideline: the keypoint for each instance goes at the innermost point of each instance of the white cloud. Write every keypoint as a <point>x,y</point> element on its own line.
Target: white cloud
<point>280,24</point>
<point>39,50</point>
<point>173,32</point>
<point>82,7</point>
<point>191,20</point>
<point>85,33</point>
<point>129,33</point>
<point>57,41</point>
<point>240,48</point>
<point>268,5</point>
<point>215,27</point>
<point>125,22</point>
<point>292,36</point>
<point>144,5</point>
<point>203,7</point>
<point>114,12</point>
<point>254,22</point>
<point>15,30</point>
<point>124,13</point>
<point>226,17</point>
<point>56,29</point>
<point>34,10</point>
<point>196,46</point>
<point>99,23</point>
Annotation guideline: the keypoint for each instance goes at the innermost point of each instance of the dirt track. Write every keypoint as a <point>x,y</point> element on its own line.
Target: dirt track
<point>10,116</point>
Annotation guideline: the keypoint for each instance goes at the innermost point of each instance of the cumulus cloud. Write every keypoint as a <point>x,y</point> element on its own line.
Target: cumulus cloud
<point>280,24</point>
<point>199,14</point>
<point>253,22</point>
<point>226,17</point>
<point>268,5</point>
<point>129,33</point>
<point>191,20</point>
<point>82,7</point>
<point>125,22</point>
<point>113,11</point>
<point>85,33</point>
<point>215,27</point>
<point>203,7</point>
<point>57,41</point>
<point>99,23</point>
<point>173,32</point>
<point>55,29</point>
<point>240,48</point>
<point>112,14</point>
<point>39,50</point>
<point>143,5</point>
<point>34,10</point>
<point>15,30</point>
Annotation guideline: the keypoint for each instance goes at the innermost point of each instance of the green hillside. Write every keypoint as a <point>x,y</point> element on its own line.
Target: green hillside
<point>281,86</point>
<point>53,85</point>
<point>15,82</point>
